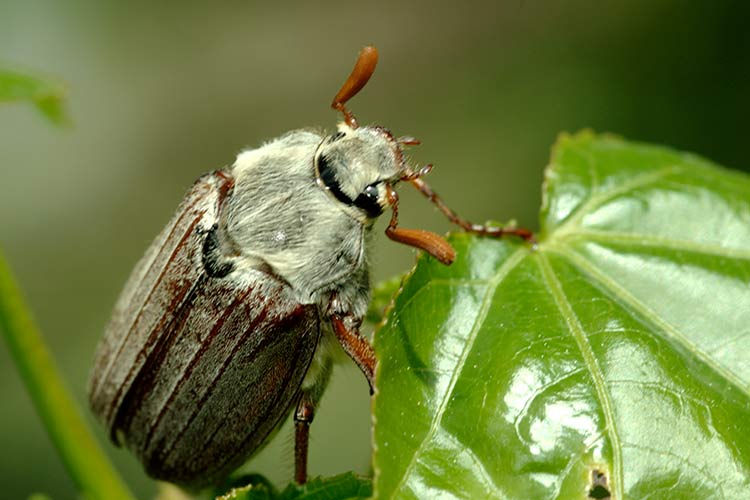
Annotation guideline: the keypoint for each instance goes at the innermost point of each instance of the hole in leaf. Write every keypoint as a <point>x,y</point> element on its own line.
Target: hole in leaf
<point>599,492</point>
<point>598,488</point>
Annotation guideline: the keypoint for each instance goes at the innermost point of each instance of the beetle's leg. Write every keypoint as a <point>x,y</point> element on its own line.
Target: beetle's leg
<point>466,225</point>
<point>303,417</point>
<point>417,173</point>
<point>356,346</point>
<point>430,242</point>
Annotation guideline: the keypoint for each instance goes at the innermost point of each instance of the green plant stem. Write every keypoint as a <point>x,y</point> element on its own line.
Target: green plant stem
<point>89,467</point>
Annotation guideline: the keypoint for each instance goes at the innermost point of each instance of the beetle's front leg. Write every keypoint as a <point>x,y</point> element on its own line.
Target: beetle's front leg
<point>359,349</point>
<point>355,345</point>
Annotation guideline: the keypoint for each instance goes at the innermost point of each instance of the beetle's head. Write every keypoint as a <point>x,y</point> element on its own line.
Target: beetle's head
<point>356,164</point>
<point>361,165</point>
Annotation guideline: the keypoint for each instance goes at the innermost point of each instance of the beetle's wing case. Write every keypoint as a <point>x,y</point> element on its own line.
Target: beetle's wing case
<point>199,413</point>
<point>157,285</point>
<point>195,371</point>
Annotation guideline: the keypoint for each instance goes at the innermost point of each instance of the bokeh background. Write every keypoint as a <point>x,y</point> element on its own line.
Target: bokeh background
<point>160,92</point>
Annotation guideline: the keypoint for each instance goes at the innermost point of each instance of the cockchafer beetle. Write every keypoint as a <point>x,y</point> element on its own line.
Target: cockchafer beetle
<point>234,314</point>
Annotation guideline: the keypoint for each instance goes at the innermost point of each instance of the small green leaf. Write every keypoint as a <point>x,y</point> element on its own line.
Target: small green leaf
<point>341,487</point>
<point>249,492</point>
<point>47,95</point>
<point>613,358</point>
<point>246,486</point>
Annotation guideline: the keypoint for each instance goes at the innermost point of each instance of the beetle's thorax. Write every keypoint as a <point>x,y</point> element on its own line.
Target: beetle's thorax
<point>284,216</point>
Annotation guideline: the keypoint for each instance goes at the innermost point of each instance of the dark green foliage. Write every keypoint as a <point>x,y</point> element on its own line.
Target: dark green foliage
<point>616,349</point>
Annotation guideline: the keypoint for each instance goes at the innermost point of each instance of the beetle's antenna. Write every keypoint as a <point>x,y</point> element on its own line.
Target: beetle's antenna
<point>452,216</point>
<point>363,70</point>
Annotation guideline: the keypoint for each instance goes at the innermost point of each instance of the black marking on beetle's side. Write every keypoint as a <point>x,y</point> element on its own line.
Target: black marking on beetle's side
<point>211,252</point>
<point>368,201</point>
<point>335,137</point>
<point>598,487</point>
<point>328,177</point>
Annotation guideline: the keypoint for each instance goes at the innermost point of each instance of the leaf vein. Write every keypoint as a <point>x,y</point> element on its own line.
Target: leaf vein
<point>589,358</point>
<point>598,199</point>
<point>623,297</point>
<point>505,269</point>
<point>658,242</point>
<point>683,460</point>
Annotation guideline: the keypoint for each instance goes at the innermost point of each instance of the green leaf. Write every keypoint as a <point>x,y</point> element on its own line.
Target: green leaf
<point>382,299</point>
<point>47,95</point>
<point>248,492</point>
<point>341,487</point>
<point>612,358</point>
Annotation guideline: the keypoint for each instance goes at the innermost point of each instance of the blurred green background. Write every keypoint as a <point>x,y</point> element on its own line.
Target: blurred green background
<point>161,92</point>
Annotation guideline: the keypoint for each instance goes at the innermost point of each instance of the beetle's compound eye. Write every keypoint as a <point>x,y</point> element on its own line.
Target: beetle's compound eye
<point>368,200</point>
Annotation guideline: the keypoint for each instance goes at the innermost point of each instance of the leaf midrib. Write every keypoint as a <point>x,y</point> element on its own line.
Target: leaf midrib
<point>559,239</point>
<point>651,241</point>
<point>575,328</point>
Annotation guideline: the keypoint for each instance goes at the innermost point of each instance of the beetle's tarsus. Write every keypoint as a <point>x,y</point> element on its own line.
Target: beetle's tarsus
<point>357,347</point>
